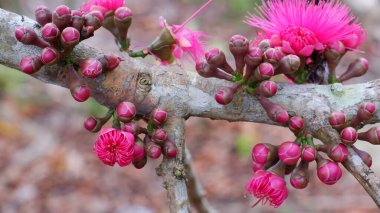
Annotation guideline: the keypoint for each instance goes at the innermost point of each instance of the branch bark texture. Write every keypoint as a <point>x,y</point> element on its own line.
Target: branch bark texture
<point>184,94</point>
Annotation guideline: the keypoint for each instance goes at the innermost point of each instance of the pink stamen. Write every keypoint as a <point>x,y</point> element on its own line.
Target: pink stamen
<point>193,16</point>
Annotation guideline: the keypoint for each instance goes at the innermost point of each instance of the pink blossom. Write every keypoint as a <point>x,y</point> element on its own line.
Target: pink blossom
<point>104,6</point>
<point>115,146</point>
<point>304,26</point>
<point>267,186</point>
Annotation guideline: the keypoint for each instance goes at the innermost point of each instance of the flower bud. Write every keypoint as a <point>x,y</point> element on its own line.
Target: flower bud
<point>126,111</point>
<point>254,56</point>
<point>90,124</point>
<point>299,178</point>
<point>162,46</point>
<point>70,37</point>
<point>112,61</point>
<point>268,88</point>
<point>273,55</point>
<point>296,124</point>
<point>169,149</point>
<point>224,95</point>
<point>366,158</point>
<point>30,64</point>
<point>132,128</point>
<point>289,153</point>
<point>357,68</point>
<point>366,111</point>
<point>207,71</point>
<point>153,150</point>
<point>257,166</point>
<point>264,45</point>
<point>158,117</point>
<point>50,32</point>
<point>337,46</point>
<point>337,152</point>
<point>123,20</point>
<point>351,41</point>
<point>288,65</point>
<point>77,19</point>
<point>28,36</point>
<point>159,136</point>
<point>140,164</point>
<point>328,172</point>
<point>62,16</point>
<point>337,120</point>
<point>239,46</point>
<point>264,72</point>
<point>80,93</point>
<point>50,56</point>
<point>87,32</point>
<point>274,111</point>
<point>372,135</point>
<point>91,68</point>
<point>94,18</point>
<point>275,41</point>
<point>263,152</point>
<point>139,150</point>
<point>308,153</point>
<point>348,135</point>
<point>217,58</point>
<point>43,15</point>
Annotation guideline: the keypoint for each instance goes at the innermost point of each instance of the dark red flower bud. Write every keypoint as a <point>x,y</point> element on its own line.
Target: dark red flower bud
<point>289,153</point>
<point>43,15</point>
<point>264,152</point>
<point>91,68</point>
<point>264,72</point>
<point>112,61</point>
<point>366,158</point>
<point>288,65</point>
<point>153,150</point>
<point>126,111</point>
<point>348,135</point>
<point>337,152</point>
<point>28,36</point>
<point>372,135</point>
<point>140,164</point>
<point>30,64</point>
<point>77,19</point>
<point>366,111</point>
<point>299,178</point>
<point>337,120</point>
<point>70,37</point>
<point>50,32</point>
<point>169,149</point>
<point>159,136</point>
<point>139,150</point>
<point>123,20</point>
<point>206,70</point>
<point>273,55</point>
<point>62,16</point>
<point>268,88</point>
<point>50,56</point>
<point>357,68</point>
<point>90,124</point>
<point>274,111</point>
<point>158,117</point>
<point>239,46</point>
<point>217,58</point>
<point>328,172</point>
<point>254,56</point>
<point>308,153</point>
<point>94,18</point>
<point>87,32</point>
<point>296,124</point>
<point>224,95</point>
<point>80,93</point>
<point>132,128</point>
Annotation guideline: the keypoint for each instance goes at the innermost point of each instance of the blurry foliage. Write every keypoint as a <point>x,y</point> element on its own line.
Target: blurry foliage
<point>243,145</point>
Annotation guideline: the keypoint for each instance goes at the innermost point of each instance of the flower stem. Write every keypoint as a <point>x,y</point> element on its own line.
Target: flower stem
<point>193,16</point>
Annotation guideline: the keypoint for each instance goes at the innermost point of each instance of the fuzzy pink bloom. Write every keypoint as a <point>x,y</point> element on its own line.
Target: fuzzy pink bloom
<point>304,26</point>
<point>267,186</point>
<point>104,6</point>
<point>115,146</point>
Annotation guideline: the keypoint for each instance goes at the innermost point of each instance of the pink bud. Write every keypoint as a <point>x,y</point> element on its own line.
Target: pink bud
<point>70,37</point>
<point>266,70</point>
<point>261,153</point>
<point>132,128</point>
<point>126,111</point>
<point>43,15</point>
<point>123,13</point>
<point>337,120</point>
<point>372,135</point>
<point>257,166</point>
<point>273,55</point>
<point>296,124</point>
<point>366,111</point>
<point>288,64</point>
<point>169,149</point>
<point>50,32</point>
<point>268,88</point>
<point>94,18</point>
<point>50,56</point>
<point>275,41</point>
<point>224,95</point>
<point>77,19</point>
<point>281,116</point>
<point>367,159</point>
<point>91,68</point>
<point>112,60</point>
<point>254,56</point>
<point>62,10</point>
<point>62,16</point>
<point>264,45</point>
<point>348,135</point>
<point>338,152</point>
<point>299,178</point>
<point>205,70</point>
<point>153,150</point>
<point>289,153</point>
<point>337,46</point>
<point>90,124</point>
<point>217,58</point>
<point>308,153</point>
<point>328,172</point>
<point>239,46</point>
<point>159,136</point>
<point>357,68</point>
<point>28,36</point>
<point>351,41</point>
<point>76,13</point>
<point>158,117</point>
<point>30,64</point>
<point>80,93</point>
<point>139,150</point>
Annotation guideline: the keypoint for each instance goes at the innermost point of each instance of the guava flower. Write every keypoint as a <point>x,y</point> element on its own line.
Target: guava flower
<point>267,186</point>
<point>304,26</point>
<point>115,146</point>
<point>104,6</point>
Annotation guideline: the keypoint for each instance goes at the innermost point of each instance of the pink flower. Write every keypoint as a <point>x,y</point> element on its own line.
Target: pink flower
<point>304,26</point>
<point>267,186</point>
<point>104,6</point>
<point>115,146</point>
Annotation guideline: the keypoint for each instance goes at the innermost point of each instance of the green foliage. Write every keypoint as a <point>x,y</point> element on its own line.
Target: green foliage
<point>243,145</point>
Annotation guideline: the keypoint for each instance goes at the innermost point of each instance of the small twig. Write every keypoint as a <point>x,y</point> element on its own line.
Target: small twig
<point>196,192</point>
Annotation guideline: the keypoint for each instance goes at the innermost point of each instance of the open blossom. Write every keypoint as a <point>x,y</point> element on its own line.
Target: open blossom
<point>267,186</point>
<point>115,146</point>
<point>104,6</point>
<point>301,26</point>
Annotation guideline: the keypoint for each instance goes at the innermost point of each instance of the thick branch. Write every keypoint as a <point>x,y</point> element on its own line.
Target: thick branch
<point>185,94</point>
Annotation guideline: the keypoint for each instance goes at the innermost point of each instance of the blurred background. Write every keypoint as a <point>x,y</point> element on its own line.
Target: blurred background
<point>46,158</point>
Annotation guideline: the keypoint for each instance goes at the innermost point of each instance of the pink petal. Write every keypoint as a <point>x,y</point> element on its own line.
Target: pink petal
<point>306,51</point>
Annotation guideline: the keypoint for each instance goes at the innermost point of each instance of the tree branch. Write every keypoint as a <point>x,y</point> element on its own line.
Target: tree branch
<point>184,94</point>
